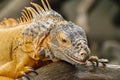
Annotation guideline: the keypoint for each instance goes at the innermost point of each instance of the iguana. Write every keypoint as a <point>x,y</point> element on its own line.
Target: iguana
<point>41,35</point>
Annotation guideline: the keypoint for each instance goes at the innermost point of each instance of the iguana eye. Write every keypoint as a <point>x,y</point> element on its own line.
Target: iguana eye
<point>64,40</point>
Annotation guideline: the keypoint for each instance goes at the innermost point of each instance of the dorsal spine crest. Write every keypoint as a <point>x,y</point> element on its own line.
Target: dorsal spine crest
<point>30,13</point>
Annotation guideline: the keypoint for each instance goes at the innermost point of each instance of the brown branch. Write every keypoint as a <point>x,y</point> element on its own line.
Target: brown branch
<point>64,71</point>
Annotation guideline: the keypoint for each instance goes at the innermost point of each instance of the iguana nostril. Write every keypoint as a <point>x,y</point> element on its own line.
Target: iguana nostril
<point>82,54</point>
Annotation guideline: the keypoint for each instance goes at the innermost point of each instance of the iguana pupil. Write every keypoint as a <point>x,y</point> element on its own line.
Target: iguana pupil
<point>64,40</point>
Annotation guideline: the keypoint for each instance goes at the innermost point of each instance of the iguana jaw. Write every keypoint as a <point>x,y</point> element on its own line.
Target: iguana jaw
<point>75,60</point>
<point>59,54</point>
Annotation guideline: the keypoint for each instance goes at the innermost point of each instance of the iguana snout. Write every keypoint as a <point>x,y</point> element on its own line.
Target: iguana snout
<point>83,54</point>
<point>79,53</point>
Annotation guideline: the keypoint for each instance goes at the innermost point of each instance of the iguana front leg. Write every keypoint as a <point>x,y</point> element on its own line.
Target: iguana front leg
<point>24,71</point>
<point>15,69</point>
<point>7,70</point>
<point>25,66</point>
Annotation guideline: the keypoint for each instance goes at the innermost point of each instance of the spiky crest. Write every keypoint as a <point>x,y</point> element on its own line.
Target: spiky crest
<point>44,5</point>
<point>49,7</point>
<point>24,16</point>
<point>38,8</point>
<point>30,13</point>
<point>21,20</point>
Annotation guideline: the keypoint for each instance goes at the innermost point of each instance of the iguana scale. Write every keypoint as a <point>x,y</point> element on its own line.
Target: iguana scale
<point>41,34</point>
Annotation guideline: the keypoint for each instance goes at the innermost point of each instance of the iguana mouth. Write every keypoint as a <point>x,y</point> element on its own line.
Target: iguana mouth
<point>75,59</point>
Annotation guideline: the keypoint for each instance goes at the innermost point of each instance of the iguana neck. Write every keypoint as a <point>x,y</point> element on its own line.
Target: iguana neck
<point>37,32</point>
<point>25,40</point>
<point>34,49</point>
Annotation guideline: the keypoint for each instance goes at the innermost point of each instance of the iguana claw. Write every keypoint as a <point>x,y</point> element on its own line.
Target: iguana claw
<point>25,77</point>
<point>95,59</point>
<point>31,69</point>
<point>103,61</point>
<point>27,69</point>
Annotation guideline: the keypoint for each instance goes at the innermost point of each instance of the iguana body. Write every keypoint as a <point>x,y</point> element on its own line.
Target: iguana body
<point>40,36</point>
<point>10,52</point>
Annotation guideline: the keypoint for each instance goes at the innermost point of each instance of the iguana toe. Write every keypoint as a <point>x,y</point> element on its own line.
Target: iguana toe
<point>30,69</point>
<point>25,76</point>
<point>95,59</point>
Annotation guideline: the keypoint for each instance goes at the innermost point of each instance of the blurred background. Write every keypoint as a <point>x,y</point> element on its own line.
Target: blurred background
<point>99,18</point>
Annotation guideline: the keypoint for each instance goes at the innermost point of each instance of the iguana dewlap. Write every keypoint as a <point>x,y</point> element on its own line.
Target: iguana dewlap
<point>40,35</point>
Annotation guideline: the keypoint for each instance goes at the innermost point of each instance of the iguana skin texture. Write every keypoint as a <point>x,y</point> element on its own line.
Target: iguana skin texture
<point>38,37</point>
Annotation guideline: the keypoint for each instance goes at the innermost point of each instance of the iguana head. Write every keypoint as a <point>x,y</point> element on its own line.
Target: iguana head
<point>55,37</point>
<point>68,42</point>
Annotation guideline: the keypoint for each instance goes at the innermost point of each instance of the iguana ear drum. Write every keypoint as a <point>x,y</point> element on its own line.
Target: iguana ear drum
<point>54,41</point>
<point>42,52</point>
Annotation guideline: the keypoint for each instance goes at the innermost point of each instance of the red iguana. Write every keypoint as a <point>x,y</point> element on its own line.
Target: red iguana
<point>41,35</point>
